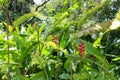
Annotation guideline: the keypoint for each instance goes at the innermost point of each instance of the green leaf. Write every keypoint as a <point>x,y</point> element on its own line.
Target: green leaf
<point>27,51</point>
<point>24,34</point>
<point>116,59</point>
<point>20,41</point>
<point>47,73</point>
<point>65,76</point>
<point>5,2</point>
<point>23,18</point>
<point>63,40</point>
<point>41,28</point>
<point>98,41</point>
<point>73,57</point>
<point>19,77</point>
<point>63,16</point>
<point>39,76</point>
<point>44,66</point>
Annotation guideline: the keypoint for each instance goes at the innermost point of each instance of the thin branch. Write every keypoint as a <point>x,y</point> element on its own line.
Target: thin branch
<point>42,4</point>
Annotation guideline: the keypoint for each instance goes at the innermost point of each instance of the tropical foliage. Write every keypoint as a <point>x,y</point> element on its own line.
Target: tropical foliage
<point>59,40</point>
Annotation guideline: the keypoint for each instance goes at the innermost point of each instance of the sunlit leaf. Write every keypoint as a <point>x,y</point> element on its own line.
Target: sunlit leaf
<point>116,59</point>
<point>23,18</point>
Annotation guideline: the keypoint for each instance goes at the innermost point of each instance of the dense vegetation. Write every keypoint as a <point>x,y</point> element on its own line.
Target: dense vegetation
<point>59,40</point>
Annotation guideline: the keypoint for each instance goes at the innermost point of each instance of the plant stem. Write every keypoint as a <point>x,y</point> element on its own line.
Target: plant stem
<point>38,40</point>
<point>8,51</point>
<point>71,71</point>
<point>105,71</point>
<point>107,42</point>
<point>5,9</point>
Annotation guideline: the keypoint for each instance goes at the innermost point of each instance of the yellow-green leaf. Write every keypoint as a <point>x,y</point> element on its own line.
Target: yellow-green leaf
<point>24,18</point>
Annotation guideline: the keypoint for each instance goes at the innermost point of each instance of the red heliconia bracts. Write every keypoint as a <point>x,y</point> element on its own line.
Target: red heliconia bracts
<point>82,49</point>
<point>54,39</point>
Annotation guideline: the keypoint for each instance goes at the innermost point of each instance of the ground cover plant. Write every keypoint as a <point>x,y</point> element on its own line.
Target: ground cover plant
<point>59,40</point>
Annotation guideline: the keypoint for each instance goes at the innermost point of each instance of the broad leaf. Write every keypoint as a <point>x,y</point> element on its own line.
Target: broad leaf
<point>23,18</point>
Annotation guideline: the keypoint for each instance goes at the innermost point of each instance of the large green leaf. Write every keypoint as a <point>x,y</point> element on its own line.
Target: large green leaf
<point>23,18</point>
<point>27,51</point>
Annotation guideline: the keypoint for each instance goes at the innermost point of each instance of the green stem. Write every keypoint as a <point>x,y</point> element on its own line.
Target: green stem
<point>8,52</point>
<point>38,41</point>
<point>71,71</point>
<point>5,9</point>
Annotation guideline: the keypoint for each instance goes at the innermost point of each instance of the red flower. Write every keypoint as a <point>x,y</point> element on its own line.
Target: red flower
<point>54,39</point>
<point>82,49</point>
